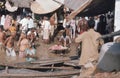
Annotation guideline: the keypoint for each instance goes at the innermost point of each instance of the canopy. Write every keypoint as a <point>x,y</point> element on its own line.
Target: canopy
<point>98,7</point>
<point>44,6</point>
<point>94,8</point>
<point>10,8</point>
<point>36,6</point>
<point>22,3</point>
<point>79,8</point>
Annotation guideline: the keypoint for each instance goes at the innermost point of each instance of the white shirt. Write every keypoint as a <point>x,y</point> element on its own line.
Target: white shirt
<point>65,23</point>
<point>46,25</point>
<point>3,20</point>
<point>31,23</point>
<point>96,24</point>
<point>24,23</point>
<point>73,24</point>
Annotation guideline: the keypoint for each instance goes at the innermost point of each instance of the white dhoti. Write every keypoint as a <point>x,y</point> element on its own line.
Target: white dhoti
<point>10,52</point>
<point>46,34</point>
<point>73,32</point>
<point>52,30</point>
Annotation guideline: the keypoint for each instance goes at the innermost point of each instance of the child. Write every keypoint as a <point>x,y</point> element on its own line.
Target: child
<point>30,53</point>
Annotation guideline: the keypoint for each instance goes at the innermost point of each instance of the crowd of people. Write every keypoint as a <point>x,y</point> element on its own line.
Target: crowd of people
<point>18,36</point>
<point>86,32</point>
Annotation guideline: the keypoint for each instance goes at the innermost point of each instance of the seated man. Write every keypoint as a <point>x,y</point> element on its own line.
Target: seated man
<point>65,40</point>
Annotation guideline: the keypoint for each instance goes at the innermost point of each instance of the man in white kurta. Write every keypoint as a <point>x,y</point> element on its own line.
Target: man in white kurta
<point>2,20</point>
<point>30,23</point>
<point>24,24</point>
<point>46,29</point>
<point>73,28</point>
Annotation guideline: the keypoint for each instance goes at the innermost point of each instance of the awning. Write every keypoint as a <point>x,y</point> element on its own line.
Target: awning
<point>79,7</point>
<point>74,4</point>
<point>94,8</point>
<point>10,8</point>
<point>22,3</point>
<point>36,6</point>
<point>44,6</point>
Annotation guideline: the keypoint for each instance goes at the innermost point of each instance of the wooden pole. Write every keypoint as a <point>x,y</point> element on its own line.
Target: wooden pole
<point>6,70</point>
<point>46,74</point>
<point>79,9</point>
<point>53,60</point>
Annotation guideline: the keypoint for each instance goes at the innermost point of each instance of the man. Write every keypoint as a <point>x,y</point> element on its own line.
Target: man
<point>30,53</point>
<point>89,45</point>
<point>9,43</point>
<point>2,38</point>
<point>2,20</point>
<point>24,24</point>
<point>96,18</point>
<point>82,24</point>
<point>46,29</point>
<point>8,22</point>
<point>30,23</point>
<point>12,29</point>
<point>53,24</point>
<point>32,36</point>
<point>23,44</point>
<point>65,40</point>
<point>73,28</point>
<point>2,35</point>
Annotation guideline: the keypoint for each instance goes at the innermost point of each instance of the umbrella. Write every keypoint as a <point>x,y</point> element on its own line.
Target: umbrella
<point>44,6</point>
<point>22,3</point>
<point>9,7</point>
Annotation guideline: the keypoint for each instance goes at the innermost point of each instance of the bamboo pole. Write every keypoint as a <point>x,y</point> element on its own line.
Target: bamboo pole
<point>46,74</point>
<point>50,61</point>
<point>37,66</point>
<point>79,9</point>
